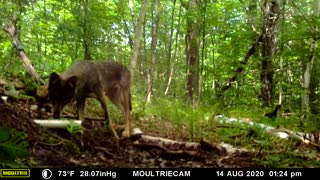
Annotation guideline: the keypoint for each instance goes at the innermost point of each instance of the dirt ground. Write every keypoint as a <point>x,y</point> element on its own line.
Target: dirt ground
<point>97,148</point>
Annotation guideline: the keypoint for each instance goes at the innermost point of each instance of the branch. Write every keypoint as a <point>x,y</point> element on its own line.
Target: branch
<point>243,63</point>
<point>11,29</point>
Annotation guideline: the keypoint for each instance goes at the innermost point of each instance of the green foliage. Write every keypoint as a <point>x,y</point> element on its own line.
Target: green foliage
<point>139,106</point>
<point>74,128</point>
<point>284,155</point>
<point>182,114</point>
<point>74,148</point>
<point>13,147</point>
<point>311,123</point>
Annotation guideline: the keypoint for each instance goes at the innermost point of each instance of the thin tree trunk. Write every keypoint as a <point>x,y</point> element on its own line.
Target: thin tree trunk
<point>214,84</point>
<point>170,41</point>
<point>137,38</point>
<point>280,53</point>
<point>192,51</point>
<point>309,67</point>
<point>45,39</point>
<point>175,55</point>
<point>203,51</point>
<point>132,13</point>
<point>153,49</point>
<point>86,40</point>
<point>13,33</point>
<point>306,80</point>
<point>271,14</point>
<point>143,60</point>
<point>280,81</point>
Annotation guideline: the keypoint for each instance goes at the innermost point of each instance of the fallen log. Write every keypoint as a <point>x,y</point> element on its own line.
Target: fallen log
<point>56,123</point>
<point>280,132</point>
<point>176,149</point>
<point>166,143</point>
<point>170,147</point>
<point>311,138</point>
<point>71,116</point>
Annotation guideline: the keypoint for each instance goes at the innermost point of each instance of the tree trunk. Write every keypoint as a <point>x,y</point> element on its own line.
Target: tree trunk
<point>13,33</point>
<point>281,70</point>
<point>153,49</point>
<point>203,49</point>
<point>143,72</point>
<point>172,65</point>
<point>269,43</point>
<point>168,69</point>
<point>137,38</point>
<point>309,89</point>
<point>132,13</point>
<point>192,51</point>
<point>86,39</point>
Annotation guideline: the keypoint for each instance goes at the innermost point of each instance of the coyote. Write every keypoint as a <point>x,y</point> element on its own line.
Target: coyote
<point>93,79</point>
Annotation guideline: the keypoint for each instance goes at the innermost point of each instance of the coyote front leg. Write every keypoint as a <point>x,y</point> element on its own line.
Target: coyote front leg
<point>103,103</point>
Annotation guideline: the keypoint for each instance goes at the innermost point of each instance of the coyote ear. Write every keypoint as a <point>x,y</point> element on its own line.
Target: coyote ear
<point>54,78</point>
<point>71,82</point>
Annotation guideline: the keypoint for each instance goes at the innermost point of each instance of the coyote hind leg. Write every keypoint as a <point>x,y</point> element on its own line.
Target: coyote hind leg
<point>127,114</point>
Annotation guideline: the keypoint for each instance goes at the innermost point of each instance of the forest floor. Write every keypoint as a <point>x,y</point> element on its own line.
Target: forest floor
<point>97,148</point>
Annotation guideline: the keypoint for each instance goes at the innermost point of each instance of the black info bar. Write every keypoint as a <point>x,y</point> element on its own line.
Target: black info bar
<point>161,173</point>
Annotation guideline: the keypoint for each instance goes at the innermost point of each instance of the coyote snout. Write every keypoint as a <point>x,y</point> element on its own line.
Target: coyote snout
<point>93,79</point>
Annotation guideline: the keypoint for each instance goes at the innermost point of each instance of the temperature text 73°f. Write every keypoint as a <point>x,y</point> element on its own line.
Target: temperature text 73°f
<point>66,173</point>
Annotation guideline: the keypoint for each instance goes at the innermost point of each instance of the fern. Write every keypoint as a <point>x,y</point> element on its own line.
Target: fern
<point>13,146</point>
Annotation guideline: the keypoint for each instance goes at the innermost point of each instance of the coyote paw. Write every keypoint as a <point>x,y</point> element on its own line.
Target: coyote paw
<point>126,133</point>
<point>114,132</point>
<point>116,137</point>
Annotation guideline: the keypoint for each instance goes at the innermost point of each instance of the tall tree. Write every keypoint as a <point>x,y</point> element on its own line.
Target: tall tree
<point>137,37</point>
<point>85,29</point>
<point>170,46</point>
<point>203,49</point>
<point>192,50</point>
<point>309,79</point>
<point>271,13</point>
<point>153,49</point>
<point>173,63</point>
<point>281,49</point>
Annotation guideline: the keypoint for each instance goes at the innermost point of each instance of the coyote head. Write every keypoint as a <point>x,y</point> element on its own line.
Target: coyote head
<point>60,92</point>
